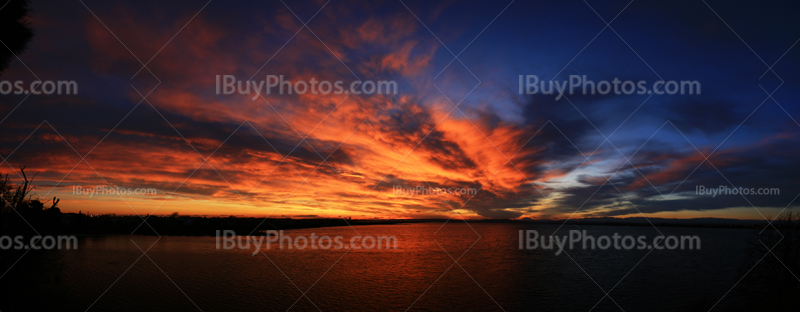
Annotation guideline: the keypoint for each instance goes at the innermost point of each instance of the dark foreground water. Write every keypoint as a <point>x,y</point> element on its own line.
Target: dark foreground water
<point>189,273</point>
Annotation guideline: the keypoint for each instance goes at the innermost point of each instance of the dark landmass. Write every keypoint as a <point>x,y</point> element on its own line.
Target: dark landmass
<point>641,221</point>
<point>34,219</point>
<point>51,222</point>
<point>81,224</point>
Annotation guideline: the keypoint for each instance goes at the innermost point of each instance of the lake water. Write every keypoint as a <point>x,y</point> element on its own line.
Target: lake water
<point>190,273</point>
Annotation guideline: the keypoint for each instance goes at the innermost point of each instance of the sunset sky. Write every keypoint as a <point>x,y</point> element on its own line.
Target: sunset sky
<point>454,122</point>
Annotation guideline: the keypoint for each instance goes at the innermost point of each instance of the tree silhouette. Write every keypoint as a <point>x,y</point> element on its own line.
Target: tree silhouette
<point>15,201</point>
<point>16,31</point>
<point>773,282</point>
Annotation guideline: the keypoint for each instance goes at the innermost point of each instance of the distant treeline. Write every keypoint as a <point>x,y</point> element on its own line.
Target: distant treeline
<point>81,224</point>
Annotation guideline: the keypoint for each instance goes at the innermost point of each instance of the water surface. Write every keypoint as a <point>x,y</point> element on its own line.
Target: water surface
<point>189,273</point>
